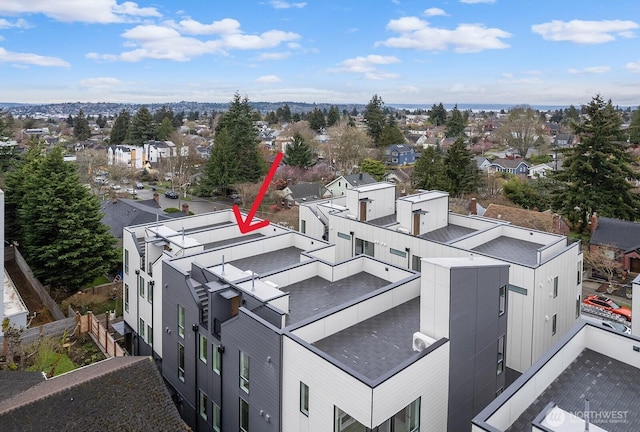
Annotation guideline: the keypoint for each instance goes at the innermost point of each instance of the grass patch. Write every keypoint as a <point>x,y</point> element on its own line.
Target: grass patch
<point>100,280</point>
<point>50,358</point>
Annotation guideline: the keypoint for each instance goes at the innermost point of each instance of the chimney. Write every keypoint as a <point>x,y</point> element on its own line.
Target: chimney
<point>594,222</point>
<point>156,197</point>
<point>185,208</point>
<point>474,206</point>
<point>360,176</point>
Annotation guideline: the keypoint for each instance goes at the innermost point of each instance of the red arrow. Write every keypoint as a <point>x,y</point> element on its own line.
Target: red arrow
<point>245,225</point>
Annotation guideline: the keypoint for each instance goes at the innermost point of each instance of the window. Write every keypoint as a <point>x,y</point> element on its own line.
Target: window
<point>181,361</point>
<point>217,359</point>
<point>244,371</point>
<point>503,299</point>
<point>126,298</point>
<point>416,263</point>
<point>555,287</point>
<point>126,261</point>
<point>244,415</point>
<point>364,247</point>
<point>405,420</point>
<point>202,404</point>
<point>397,252</point>
<point>303,226</point>
<point>578,306</point>
<point>180,321</point>
<point>579,272</point>
<point>344,236</point>
<point>215,416</point>
<point>344,422</point>
<point>304,399</point>
<point>150,291</point>
<point>500,355</point>
<point>554,324</point>
<point>204,345</point>
<point>141,329</point>
<point>141,286</point>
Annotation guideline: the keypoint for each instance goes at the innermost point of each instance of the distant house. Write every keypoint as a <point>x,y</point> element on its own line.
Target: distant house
<point>400,154</point>
<point>564,140</point>
<point>619,240</point>
<point>482,163</point>
<point>154,151</point>
<point>540,170</point>
<point>303,192</point>
<point>512,166</point>
<point>532,219</point>
<point>340,185</point>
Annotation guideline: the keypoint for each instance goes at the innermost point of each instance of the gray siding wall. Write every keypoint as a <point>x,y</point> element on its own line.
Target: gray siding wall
<point>475,327</point>
<point>262,343</point>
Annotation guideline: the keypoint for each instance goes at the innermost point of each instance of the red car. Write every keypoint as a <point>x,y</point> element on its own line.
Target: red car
<point>605,303</point>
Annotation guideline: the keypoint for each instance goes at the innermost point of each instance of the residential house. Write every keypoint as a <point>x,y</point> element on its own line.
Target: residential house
<point>589,380</point>
<point>301,192</point>
<point>342,183</point>
<point>120,393</point>
<point>563,140</point>
<point>511,166</point>
<point>532,219</point>
<point>131,156</point>
<point>618,240</point>
<point>155,151</point>
<point>482,163</point>
<point>399,154</point>
<point>540,170</point>
<point>545,268</point>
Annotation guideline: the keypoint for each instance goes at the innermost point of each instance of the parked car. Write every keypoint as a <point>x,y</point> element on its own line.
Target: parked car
<point>171,194</point>
<point>139,185</point>
<point>116,187</point>
<point>605,303</point>
<point>613,325</point>
<point>132,191</point>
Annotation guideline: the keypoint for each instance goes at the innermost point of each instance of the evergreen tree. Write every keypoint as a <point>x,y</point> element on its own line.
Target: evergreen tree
<point>286,114</point>
<point>375,118</point>
<point>596,173</point>
<point>455,124</point>
<point>81,129</point>
<point>142,128</point>
<point>69,121</point>
<point>633,133</point>
<point>374,168</point>
<point>221,167</point>
<point>166,129</point>
<point>438,114</point>
<point>163,113</point>
<point>429,172</point>
<point>298,152</point>
<point>334,116</point>
<point>316,120</point>
<point>63,238</point>
<point>101,121</point>
<point>271,118</point>
<point>120,129</point>
<point>460,168</point>
<point>391,133</point>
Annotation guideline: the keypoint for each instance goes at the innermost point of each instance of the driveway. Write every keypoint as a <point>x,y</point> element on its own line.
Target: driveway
<point>196,204</point>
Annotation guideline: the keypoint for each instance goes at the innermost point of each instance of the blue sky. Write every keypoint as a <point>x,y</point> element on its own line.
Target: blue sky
<point>343,51</point>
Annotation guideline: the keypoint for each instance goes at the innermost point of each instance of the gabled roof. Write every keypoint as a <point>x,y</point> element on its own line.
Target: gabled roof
<point>617,233</point>
<point>304,191</point>
<point>359,179</point>
<point>509,163</point>
<point>13,383</point>
<point>400,148</point>
<point>541,221</point>
<point>126,212</point>
<point>120,393</point>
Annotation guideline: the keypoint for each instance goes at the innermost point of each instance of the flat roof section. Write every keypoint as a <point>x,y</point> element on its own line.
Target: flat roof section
<point>375,346</point>
<point>269,261</point>
<point>447,234</point>
<point>384,220</point>
<point>511,250</point>
<point>611,386</point>
<point>232,240</point>
<point>315,295</point>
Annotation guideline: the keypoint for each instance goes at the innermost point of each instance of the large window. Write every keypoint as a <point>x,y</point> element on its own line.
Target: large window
<point>202,404</point>
<point>203,348</point>
<point>364,247</point>
<point>181,361</point>
<point>126,298</point>
<point>406,420</point>
<point>416,263</point>
<point>215,416</point>
<point>244,415</point>
<point>180,320</point>
<point>216,359</point>
<point>343,422</point>
<point>503,299</point>
<point>244,371</point>
<point>304,398</point>
<point>500,368</point>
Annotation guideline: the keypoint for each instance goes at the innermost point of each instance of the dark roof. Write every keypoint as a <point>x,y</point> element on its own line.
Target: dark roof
<point>511,250</point>
<point>304,191</point>
<point>509,163</point>
<point>359,179</point>
<point>15,382</point>
<point>616,233</point>
<point>120,393</point>
<point>400,148</point>
<point>122,213</point>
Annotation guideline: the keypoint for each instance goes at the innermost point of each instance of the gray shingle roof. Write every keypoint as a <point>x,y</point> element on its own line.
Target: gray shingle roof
<point>15,382</point>
<point>126,212</point>
<point>616,233</point>
<point>117,394</point>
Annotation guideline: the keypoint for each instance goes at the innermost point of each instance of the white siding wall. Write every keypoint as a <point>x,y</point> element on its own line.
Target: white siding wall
<point>435,300</point>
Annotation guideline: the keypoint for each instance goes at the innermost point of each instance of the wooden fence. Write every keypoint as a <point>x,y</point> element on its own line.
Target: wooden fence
<point>89,323</point>
<point>56,328</point>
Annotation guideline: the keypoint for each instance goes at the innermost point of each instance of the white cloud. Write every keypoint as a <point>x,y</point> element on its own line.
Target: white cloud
<point>367,66</point>
<point>477,1</point>
<point>585,32</point>
<point>274,56</point>
<point>190,26</point>
<point>20,23</point>
<point>633,67</point>
<point>417,34</point>
<point>100,83</point>
<point>93,11</point>
<point>30,59</point>
<point>435,12</point>
<point>278,4</point>
<point>590,70</point>
<point>268,79</point>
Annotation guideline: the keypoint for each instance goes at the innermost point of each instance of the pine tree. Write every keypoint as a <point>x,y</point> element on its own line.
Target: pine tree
<point>142,128</point>
<point>455,124</point>
<point>438,114</point>
<point>120,130</point>
<point>334,116</point>
<point>63,238</point>
<point>429,172</point>
<point>298,152</point>
<point>460,168</point>
<point>375,118</point>
<point>316,120</point>
<point>596,173</point>
<point>391,133</point>
<point>81,129</point>
<point>166,129</point>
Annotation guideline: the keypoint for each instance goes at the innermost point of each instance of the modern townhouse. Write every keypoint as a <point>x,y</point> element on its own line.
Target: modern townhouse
<point>273,331</point>
<point>545,276</point>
